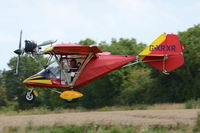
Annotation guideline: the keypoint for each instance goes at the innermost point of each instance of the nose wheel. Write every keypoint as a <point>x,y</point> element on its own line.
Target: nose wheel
<point>30,96</point>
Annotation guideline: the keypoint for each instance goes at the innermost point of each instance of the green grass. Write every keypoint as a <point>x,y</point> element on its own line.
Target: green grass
<point>193,104</point>
<point>86,129</point>
<point>94,128</point>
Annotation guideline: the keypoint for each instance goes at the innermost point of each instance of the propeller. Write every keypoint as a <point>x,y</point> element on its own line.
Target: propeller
<point>31,48</point>
<point>19,52</point>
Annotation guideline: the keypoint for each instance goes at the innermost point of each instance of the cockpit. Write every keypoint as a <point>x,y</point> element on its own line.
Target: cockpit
<point>52,71</point>
<point>65,70</point>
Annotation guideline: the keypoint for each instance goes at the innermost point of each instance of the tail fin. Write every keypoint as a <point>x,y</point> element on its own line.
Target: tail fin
<point>164,54</point>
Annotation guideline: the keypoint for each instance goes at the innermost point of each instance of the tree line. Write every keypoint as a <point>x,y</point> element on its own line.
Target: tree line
<point>139,84</point>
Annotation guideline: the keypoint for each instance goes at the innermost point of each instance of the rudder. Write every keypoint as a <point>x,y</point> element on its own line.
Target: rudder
<point>164,54</point>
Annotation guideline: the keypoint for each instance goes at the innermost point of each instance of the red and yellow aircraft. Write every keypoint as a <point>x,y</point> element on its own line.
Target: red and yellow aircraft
<point>75,65</point>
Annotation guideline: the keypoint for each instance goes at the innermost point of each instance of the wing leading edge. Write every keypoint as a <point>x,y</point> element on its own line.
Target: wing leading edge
<point>65,49</point>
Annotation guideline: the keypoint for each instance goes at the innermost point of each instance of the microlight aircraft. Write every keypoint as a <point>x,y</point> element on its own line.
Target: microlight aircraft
<point>74,66</point>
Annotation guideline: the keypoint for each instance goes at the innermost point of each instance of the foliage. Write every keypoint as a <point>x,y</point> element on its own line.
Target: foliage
<point>122,46</point>
<point>98,94</point>
<point>189,74</point>
<point>135,86</point>
<point>87,41</point>
<point>192,104</point>
<point>2,91</point>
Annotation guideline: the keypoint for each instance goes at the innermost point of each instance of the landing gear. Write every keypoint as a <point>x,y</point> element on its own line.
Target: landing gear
<point>69,96</point>
<point>30,96</point>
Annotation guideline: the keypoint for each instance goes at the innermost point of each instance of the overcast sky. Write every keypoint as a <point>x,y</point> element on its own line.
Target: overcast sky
<point>100,20</point>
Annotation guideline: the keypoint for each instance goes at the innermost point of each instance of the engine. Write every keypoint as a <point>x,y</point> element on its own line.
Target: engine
<point>30,46</point>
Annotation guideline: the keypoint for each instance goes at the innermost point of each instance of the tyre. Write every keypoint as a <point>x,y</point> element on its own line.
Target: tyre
<point>29,96</point>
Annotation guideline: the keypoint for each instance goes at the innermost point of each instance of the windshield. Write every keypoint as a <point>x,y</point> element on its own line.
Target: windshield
<point>52,71</point>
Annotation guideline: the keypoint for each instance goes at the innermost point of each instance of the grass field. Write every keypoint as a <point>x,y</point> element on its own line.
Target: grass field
<point>91,128</point>
<point>159,118</point>
<point>7,111</point>
<point>139,119</point>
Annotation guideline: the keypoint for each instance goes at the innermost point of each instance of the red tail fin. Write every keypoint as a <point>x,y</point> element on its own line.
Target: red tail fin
<point>164,54</point>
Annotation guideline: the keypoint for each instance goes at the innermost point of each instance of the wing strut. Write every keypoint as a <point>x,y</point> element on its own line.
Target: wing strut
<point>67,75</point>
<point>62,70</point>
<point>89,57</point>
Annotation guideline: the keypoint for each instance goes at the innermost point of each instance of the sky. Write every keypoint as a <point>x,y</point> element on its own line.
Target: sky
<point>70,21</point>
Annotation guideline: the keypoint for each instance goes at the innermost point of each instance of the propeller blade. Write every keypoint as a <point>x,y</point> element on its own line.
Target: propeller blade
<point>18,52</point>
<point>17,66</point>
<point>20,40</point>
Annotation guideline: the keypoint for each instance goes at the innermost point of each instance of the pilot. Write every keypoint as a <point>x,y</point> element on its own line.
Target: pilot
<point>73,68</point>
<point>73,65</point>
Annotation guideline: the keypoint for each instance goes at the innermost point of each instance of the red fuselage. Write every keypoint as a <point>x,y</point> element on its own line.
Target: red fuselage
<point>96,68</point>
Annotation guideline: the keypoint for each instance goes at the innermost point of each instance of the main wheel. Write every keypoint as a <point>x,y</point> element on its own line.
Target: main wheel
<point>29,96</point>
